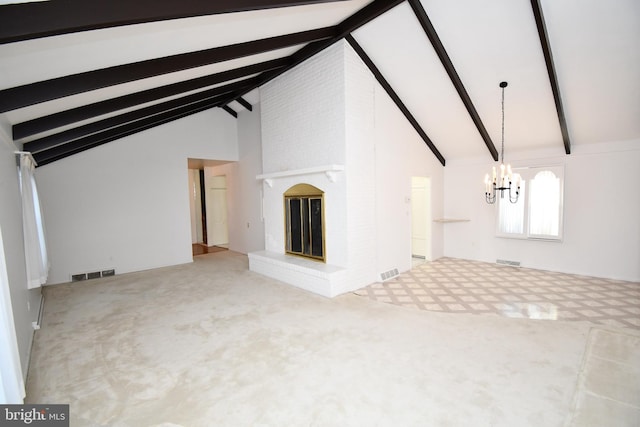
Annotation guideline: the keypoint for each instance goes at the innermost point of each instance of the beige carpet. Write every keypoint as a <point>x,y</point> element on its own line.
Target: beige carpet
<point>212,344</point>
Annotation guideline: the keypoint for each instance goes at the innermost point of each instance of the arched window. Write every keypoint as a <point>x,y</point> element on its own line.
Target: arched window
<point>538,212</point>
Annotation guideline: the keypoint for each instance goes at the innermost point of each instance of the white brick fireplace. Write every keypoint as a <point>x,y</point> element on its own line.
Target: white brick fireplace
<point>327,123</point>
<point>325,278</point>
<point>309,138</point>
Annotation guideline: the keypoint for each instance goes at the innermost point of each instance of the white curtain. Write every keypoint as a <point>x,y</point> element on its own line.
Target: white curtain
<point>35,247</point>
<point>11,383</point>
<point>511,215</point>
<point>544,219</point>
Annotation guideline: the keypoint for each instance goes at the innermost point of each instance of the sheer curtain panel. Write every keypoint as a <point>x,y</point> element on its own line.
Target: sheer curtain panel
<point>35,248</point>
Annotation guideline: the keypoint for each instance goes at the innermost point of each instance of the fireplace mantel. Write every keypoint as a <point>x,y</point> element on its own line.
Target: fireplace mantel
<point>329,170</point>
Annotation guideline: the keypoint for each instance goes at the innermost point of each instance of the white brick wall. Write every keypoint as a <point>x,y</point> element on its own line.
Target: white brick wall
<point>303,115</point>
<point>360,171</point>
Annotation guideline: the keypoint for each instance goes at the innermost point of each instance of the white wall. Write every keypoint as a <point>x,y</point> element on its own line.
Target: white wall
<point>601,213</point>
<point>244,191</point>
<point>125,204</point>
<point>25,303</point>
<point>246,228</point>
<point>383,153</point>
<point>400,155</point>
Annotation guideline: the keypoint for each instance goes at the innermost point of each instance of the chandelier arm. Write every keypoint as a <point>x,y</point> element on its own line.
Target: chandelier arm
<point>511,198</point>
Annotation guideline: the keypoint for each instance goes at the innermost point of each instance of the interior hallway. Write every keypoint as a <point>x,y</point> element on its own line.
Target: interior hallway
<point>211,343</point>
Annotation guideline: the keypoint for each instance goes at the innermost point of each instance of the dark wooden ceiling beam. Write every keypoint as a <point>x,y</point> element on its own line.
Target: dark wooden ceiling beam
<point>230,110</point>
<point>369,12</point>
<point>551,71</point>
<point>41,19</point>
<point>244,103</point>
<point>352,23</point>
<point>60,138</point>
<point>394,96</point>
<point>79,145</point>
<point>34,93</point>
<point>433,37</point>
<point>365,15</point>
<point>63,118</point>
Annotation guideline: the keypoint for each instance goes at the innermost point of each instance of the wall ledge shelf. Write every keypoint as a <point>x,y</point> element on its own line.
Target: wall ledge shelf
<point>447,220</point>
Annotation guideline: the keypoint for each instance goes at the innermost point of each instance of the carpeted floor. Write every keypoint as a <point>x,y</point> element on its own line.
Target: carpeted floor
<point>213,344</point>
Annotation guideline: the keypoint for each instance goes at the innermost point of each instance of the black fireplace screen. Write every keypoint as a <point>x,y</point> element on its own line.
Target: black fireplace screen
<point>304,232</point>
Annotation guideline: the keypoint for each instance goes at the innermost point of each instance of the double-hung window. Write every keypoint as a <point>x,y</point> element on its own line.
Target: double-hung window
<point>538,212</point>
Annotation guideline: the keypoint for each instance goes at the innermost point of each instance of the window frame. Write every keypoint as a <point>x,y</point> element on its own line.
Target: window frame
<point>528,173</point>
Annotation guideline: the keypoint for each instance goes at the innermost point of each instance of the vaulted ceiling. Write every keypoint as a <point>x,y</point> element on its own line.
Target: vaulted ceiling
<point>77,74</point>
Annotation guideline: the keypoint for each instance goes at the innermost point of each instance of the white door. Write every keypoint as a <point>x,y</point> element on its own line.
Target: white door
<point>216,200</point>
<point>421,217</point>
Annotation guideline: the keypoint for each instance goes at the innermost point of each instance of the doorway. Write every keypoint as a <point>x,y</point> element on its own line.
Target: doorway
<point>420,219</point>
<point>208,205</point>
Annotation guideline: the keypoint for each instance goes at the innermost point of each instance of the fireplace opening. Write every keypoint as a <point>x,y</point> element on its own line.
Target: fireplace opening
<point>304,221</point>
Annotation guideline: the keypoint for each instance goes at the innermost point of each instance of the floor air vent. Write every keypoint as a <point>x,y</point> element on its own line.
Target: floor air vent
<point>507,262</point>
<point>389,274</point>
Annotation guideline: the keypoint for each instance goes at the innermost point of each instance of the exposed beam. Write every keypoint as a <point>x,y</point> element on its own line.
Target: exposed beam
<point>230,111</point>
<point>433,37</point>
<point>394,96</point>
<point>112,134</point>
<point>244,103</point>
<point>551,70</point>
<point>366,14</point>
<point>63,118</point>
<point>33,20</point>
<point>101,125</point>
<point>352,23</point>
<point>22,96</point>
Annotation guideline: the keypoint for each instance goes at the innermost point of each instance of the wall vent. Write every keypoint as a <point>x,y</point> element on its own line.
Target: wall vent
<point>92,275</point>
<point>389,274</point>
<point>507,262</point>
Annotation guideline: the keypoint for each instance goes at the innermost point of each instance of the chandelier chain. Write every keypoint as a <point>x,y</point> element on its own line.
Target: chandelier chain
<point>502,146</point>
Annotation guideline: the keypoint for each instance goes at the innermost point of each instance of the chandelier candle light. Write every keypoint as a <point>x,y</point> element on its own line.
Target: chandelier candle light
<point>506,175</point>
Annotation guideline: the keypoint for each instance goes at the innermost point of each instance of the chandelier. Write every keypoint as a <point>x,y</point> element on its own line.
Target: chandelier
<point>504,182</point>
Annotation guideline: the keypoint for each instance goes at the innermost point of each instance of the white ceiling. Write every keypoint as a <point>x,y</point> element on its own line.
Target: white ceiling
<point>595,47</point>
